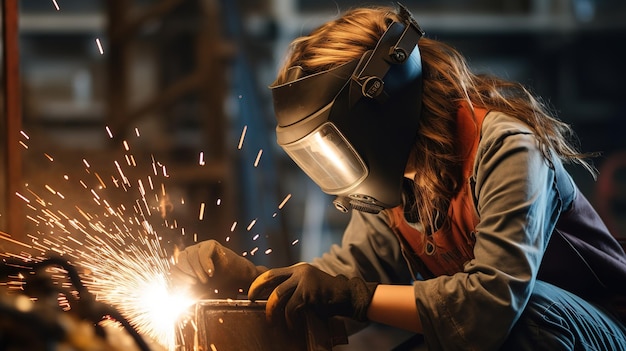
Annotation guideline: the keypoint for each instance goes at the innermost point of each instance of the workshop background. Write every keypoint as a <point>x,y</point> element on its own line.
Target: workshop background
<point>185,82</point>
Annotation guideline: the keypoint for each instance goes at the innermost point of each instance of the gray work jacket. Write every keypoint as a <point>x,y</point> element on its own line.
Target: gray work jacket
<point>520,198</point>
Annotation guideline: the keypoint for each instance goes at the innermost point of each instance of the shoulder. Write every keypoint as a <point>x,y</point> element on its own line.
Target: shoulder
<point>500,130</point>
<point>497,125</point>
<point>503,137</point>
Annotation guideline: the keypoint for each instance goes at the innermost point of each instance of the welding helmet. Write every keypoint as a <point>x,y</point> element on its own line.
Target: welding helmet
<point>351,128</point>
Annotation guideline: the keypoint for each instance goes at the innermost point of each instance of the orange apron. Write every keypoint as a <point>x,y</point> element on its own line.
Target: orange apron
<point>445,252</point>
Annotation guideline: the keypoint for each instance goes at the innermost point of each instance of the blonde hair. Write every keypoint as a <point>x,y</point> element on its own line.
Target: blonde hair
<point>447,83</point>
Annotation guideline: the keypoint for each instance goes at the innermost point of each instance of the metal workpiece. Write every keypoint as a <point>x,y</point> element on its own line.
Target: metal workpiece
<point>236,325</point>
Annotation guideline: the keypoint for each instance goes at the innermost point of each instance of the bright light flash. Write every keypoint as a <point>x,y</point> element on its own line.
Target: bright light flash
<point>159,309</point>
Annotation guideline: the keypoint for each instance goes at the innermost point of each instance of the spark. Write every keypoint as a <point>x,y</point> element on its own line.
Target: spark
<point>201,216</point>
<point>56,6</point>
<point>137,132</point>
<point>99,46</point>
<point>294,242</point>
<point>23,145</point>
<point>24,134</point>
<point>22,197</point>
<point>50,189</point>
<point>258,158</point>
<point>251,224</point>
<point>282,204</point>
<point>119,169</point>
<point>243,135</point>
<point>201,160</point>
<point>5,236</point>
<point>95,194</point>
<point>102,184</point>
<point>121,255</point>
<point>118,245</point>
<point>49,157</point>
<point>154,169</point>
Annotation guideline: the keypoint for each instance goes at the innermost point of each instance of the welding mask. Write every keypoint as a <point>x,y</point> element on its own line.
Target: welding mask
<point>351,128</point>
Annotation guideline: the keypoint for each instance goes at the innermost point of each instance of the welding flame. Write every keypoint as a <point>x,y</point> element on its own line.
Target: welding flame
<point>135,282</point>
<point>158,309</point>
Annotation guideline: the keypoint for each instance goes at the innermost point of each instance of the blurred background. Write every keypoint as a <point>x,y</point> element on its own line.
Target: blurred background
<point>181,85</point>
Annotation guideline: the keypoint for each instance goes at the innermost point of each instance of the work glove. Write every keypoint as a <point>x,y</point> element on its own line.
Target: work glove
<point>303,286</point>
<point>211,269</point>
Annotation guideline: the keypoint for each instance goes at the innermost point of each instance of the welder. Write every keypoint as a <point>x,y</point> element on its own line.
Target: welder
<point>465,226</point>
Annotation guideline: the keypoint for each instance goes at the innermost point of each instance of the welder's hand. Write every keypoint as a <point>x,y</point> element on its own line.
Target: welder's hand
<point>304,286</point>
<point>213,270</point>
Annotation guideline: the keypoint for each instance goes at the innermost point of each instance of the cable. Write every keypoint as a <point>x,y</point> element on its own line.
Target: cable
<point>82,303</point>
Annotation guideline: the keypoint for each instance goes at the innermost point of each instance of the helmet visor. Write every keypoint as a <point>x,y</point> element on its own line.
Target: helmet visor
<point>328,159</point>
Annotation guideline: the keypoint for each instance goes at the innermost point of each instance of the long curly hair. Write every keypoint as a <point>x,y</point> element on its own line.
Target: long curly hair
<point>447,84</point>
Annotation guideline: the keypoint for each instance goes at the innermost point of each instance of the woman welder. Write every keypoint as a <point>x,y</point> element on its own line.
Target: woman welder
<point>465,225</point>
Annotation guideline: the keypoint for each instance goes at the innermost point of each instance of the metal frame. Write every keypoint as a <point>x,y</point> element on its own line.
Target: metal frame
<point>13,219</point>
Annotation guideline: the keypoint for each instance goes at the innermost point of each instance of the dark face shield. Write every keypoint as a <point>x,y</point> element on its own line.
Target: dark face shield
<point>350,129</point>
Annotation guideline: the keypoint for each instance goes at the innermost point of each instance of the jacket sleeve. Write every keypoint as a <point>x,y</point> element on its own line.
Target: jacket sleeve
<point>518,206</point>
<point>369,249</point>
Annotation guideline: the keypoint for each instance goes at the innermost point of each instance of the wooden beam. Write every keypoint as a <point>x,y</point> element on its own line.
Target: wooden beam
<point>128,29</point>
<point>13,115</point>
<point>117,63</point>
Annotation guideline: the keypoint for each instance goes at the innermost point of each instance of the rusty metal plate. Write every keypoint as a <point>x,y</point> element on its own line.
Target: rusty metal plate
<point>236,325</point>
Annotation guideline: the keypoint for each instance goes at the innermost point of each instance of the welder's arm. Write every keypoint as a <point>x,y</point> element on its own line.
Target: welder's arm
<point>301,286</point>
<point>394,305</point>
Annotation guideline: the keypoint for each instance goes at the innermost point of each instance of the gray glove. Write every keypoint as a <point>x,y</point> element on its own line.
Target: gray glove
<point>213,270</point>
